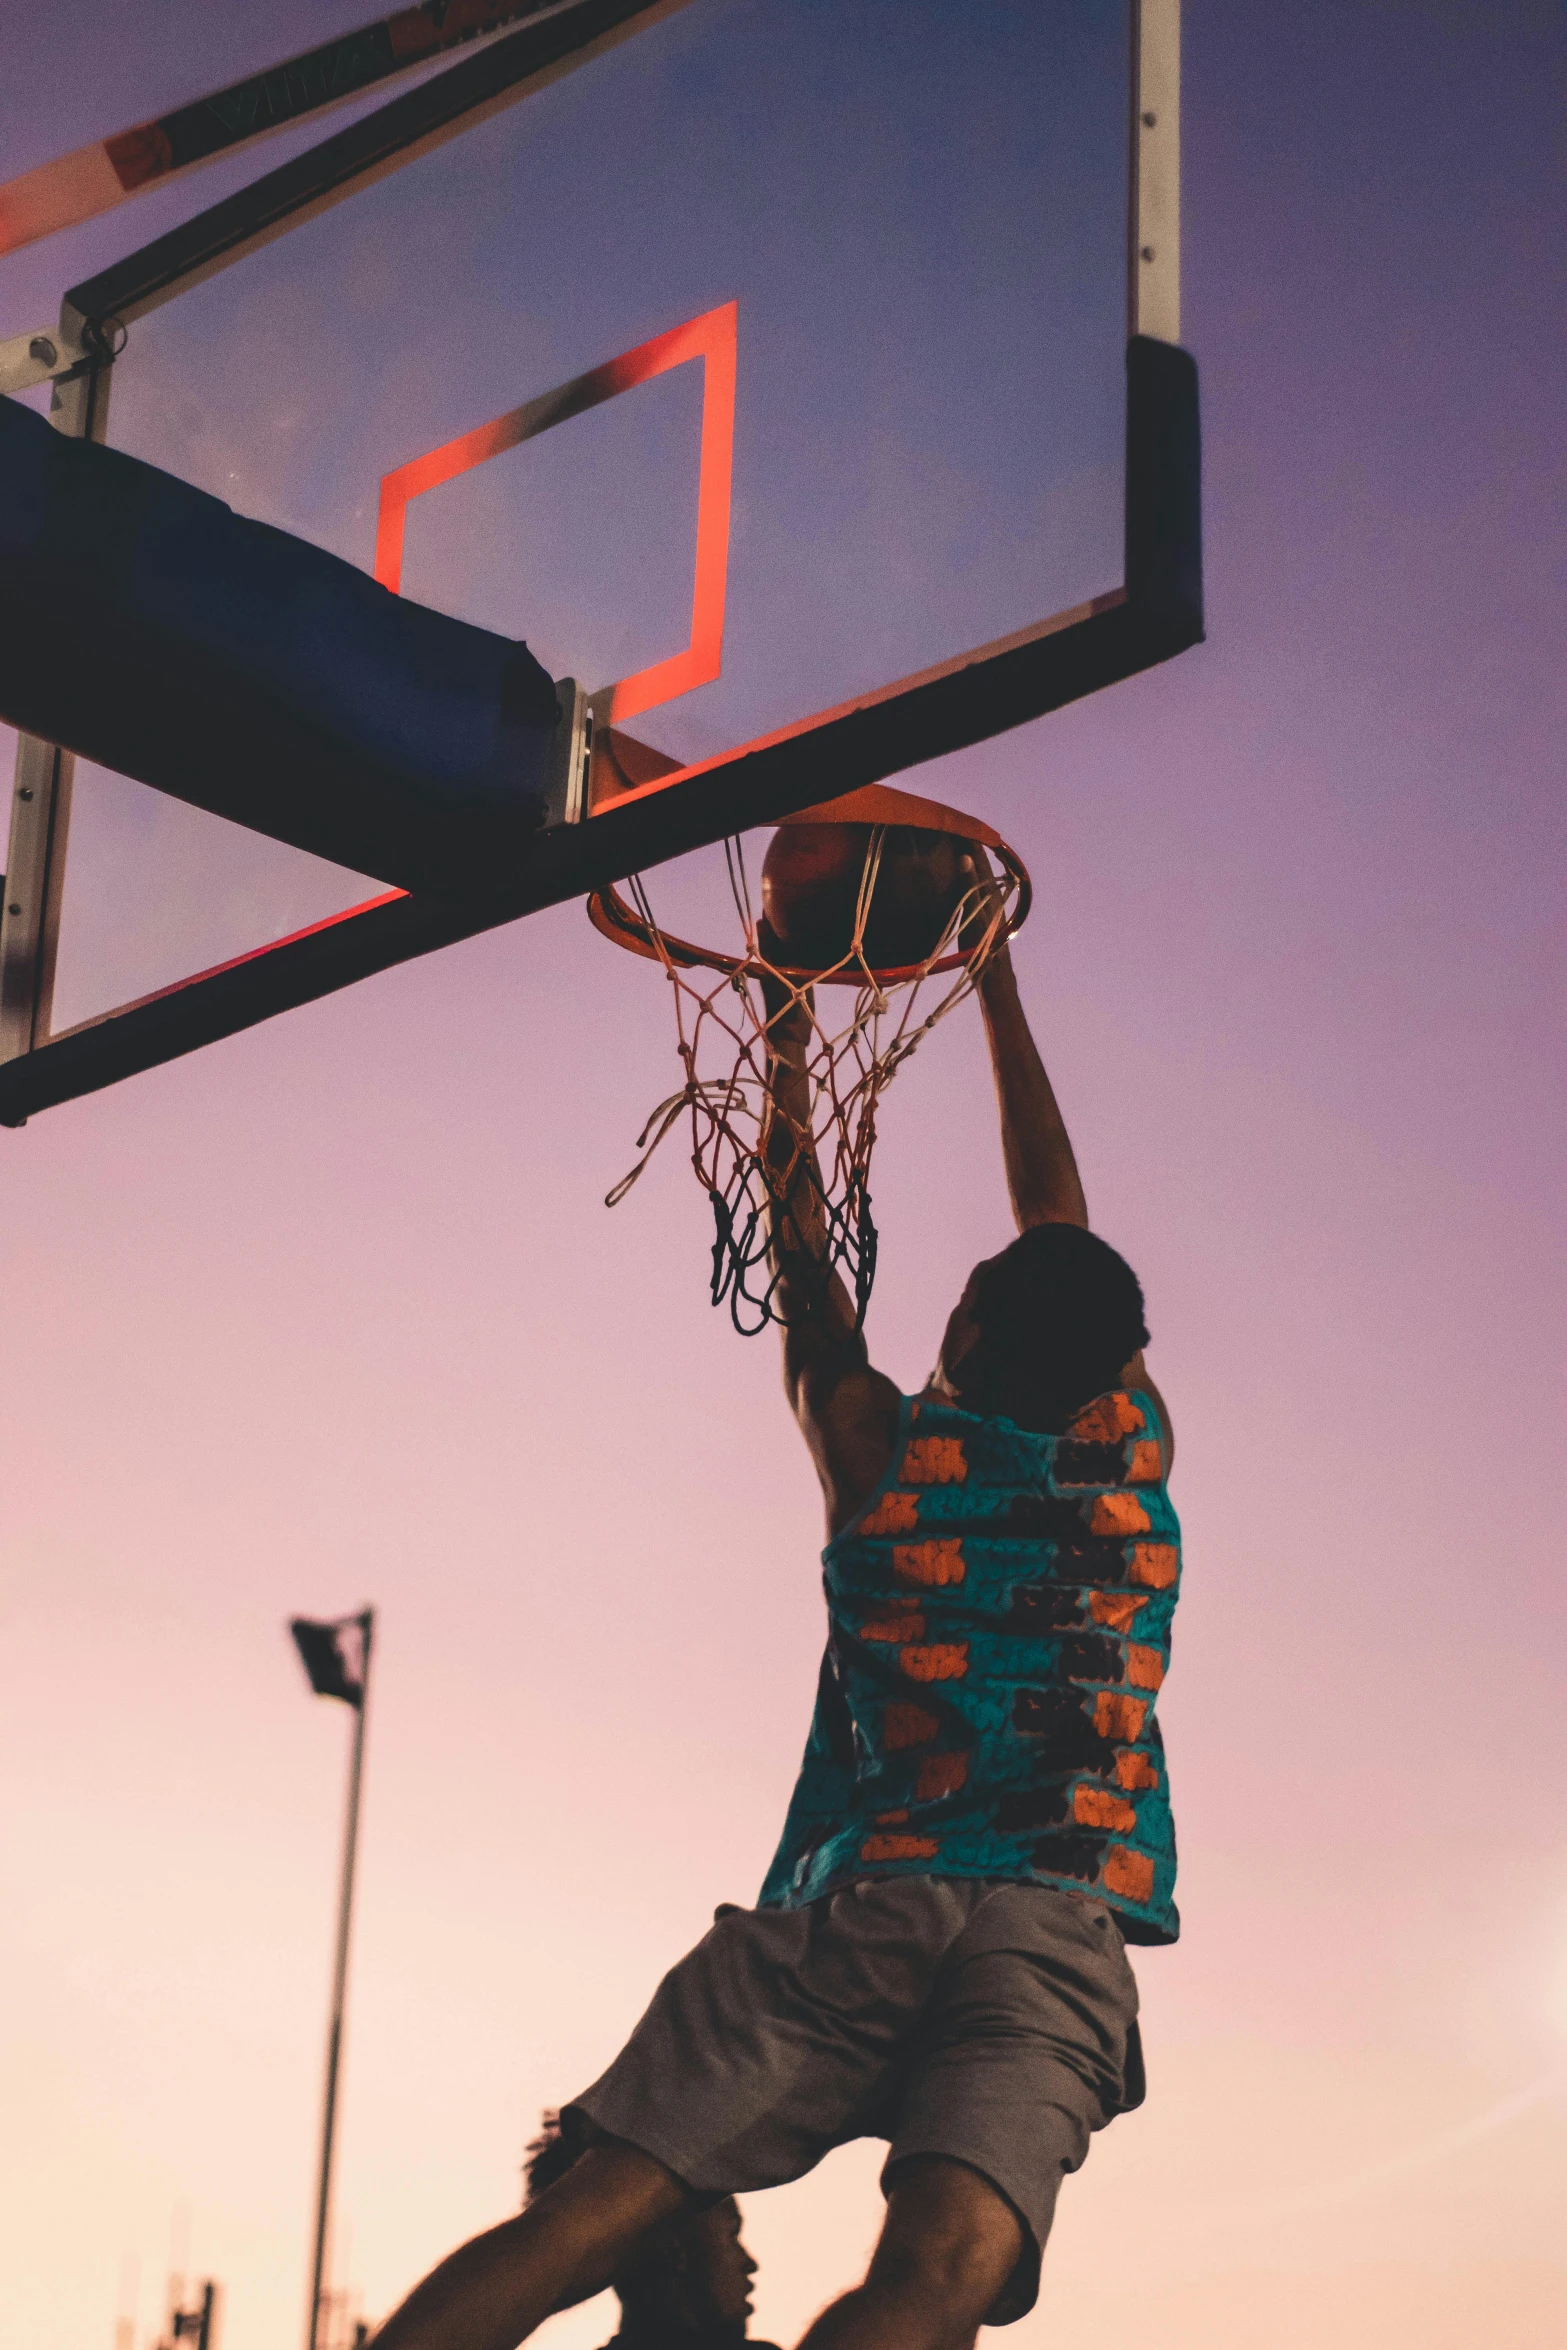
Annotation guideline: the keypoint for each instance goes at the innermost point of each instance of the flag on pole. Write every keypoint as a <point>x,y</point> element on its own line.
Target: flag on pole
<point>333,1656</point>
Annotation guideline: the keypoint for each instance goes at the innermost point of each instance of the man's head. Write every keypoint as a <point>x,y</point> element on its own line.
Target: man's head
<point>688,2282</point>
<point>1042,1328</point>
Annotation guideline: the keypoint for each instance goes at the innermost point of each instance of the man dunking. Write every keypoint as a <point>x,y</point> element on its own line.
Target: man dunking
<point>981,1819</point>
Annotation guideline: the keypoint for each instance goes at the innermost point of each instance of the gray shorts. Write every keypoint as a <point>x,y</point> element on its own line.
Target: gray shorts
<point>994,2024</point>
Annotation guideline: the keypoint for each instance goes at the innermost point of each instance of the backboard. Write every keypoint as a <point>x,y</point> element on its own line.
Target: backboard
<point>801,379</point>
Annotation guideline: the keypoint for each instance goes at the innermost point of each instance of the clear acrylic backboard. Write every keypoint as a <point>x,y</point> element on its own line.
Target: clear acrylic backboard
<point>771,355</point>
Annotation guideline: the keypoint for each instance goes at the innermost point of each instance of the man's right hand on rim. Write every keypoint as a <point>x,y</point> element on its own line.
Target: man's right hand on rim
<point>986,909</point>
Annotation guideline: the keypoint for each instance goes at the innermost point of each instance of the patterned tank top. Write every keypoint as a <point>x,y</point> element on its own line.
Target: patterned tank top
<point>999,1627</point>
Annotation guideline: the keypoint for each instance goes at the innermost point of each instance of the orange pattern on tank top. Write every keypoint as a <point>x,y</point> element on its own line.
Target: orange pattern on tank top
<point>895,1513</point>
<point>1147,1463</point>
<point>1096,1807</point>
<point>907,1623</point>
<point>1108,1418</point>
<point>899,1848</point>
<point>1155,1564</point>
<point>1144,1667</point>
<point>933,1460</point>
<point>940,1774</point>
<point>1118,1716</point>
<point>1128,1873</point>
<point>1116,1610</point>
<point>930,1563</point>
<point>944,1661</point>
<point>1134,1770</point>
<point>908,1725</point>
<point>1116,1513</point>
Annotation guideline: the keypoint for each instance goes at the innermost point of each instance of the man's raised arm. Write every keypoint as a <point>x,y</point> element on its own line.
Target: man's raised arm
<point>1042,1175</point>
<point>811,1300</point>
<point>848,1412</point>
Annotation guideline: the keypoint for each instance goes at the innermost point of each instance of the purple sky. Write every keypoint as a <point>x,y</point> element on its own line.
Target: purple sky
<point>333,1312</point>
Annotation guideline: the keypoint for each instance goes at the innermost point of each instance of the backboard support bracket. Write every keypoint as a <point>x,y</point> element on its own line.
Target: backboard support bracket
<point>567,786</point>
<point>34,878</point>
<point>29,360</point>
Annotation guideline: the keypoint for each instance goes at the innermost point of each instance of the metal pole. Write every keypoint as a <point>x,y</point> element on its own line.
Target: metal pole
<point>334,2044</point>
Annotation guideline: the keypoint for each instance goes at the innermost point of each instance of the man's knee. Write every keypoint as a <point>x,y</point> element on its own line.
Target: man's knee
<point>949,2234</point>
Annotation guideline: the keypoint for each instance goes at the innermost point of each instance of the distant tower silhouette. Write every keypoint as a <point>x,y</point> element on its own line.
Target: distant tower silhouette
<point>198,2325</point>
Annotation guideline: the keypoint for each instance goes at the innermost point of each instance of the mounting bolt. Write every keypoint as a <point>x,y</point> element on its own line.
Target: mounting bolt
<point>1148,252</point>
<point>26,792</point>
<point>1149,120</point>
<point>13,908</point>
<point>41,350</point>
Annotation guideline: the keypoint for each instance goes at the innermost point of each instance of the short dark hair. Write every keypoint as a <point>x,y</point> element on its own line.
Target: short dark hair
<point>550,2155</point>
<point>1060,1314</point>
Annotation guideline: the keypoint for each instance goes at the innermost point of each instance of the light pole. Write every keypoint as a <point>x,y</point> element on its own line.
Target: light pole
<point>334,1674</point>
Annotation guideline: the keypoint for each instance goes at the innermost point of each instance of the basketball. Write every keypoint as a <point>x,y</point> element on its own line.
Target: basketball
<point>811,878</point>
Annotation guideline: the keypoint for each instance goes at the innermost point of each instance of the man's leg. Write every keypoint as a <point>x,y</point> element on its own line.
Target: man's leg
<point>492,2292</point>
<point>947,2248</point>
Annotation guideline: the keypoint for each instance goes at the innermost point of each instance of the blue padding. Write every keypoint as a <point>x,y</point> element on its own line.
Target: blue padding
<point>148,627</point>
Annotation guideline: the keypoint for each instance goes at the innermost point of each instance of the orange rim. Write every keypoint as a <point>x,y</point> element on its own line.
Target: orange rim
<point>874,803</point>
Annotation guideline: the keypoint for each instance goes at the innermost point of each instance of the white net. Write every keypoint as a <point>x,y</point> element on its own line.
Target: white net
<point>722,1021</point>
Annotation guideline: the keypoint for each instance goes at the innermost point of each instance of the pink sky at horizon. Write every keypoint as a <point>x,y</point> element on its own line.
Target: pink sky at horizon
<point>333,1313</point>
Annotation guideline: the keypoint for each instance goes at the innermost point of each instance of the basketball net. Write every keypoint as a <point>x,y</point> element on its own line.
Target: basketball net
<point>721,1039</point>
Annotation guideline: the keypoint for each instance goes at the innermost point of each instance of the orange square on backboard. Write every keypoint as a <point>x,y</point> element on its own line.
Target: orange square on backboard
<point>710,338</point>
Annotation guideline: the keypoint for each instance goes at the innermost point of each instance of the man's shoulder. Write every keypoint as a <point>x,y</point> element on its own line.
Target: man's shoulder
<point>1135,1378</point>
<point>848,1393</point>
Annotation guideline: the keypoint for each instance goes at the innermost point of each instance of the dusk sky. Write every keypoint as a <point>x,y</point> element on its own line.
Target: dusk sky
<point>333,1313</point>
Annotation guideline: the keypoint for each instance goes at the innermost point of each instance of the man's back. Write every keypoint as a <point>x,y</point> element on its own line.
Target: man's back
<point>1000,1615</point>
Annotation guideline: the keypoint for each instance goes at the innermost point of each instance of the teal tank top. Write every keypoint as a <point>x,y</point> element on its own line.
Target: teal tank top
<point>998,1631</point>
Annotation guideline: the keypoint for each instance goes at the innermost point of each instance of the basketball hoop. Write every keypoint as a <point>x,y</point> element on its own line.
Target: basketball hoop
<point>722,1022</point>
